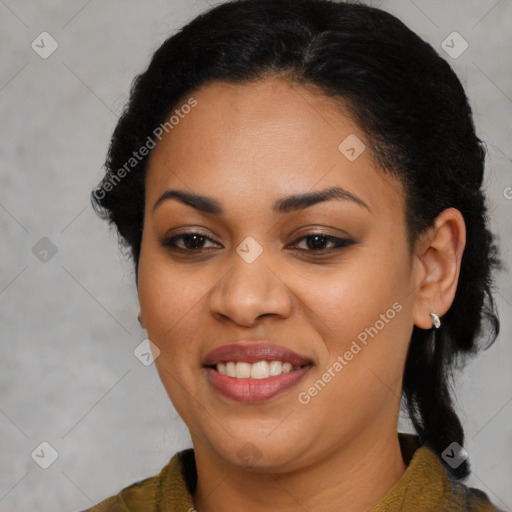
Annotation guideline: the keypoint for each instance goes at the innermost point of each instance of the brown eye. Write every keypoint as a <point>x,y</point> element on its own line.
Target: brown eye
<point>313,243</point>
<point>187,241</point>
<point>317,242</point>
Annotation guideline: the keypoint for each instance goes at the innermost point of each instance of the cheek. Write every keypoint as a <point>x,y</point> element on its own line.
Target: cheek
<point>171,307</point>
<point>165,294</point>
<point>349,299</point>
<point>363,314</point>
<point>171,303</point>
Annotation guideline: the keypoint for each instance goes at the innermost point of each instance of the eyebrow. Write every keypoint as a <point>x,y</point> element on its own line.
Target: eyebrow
<point>284,205</point>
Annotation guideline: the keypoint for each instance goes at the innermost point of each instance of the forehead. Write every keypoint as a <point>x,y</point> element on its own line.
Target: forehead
<point>266,138</point>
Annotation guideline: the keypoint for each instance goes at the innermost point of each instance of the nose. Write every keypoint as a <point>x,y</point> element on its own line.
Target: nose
<point>249,291</point>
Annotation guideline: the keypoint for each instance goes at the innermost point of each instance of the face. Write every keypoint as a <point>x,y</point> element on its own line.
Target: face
<point>246,275</point>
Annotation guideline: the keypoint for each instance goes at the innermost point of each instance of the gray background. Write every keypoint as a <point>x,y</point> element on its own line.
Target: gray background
<point>68,373</point>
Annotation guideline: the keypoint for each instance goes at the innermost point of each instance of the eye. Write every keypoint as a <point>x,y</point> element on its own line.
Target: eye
<point>316,242</point>
<point>190,241</point>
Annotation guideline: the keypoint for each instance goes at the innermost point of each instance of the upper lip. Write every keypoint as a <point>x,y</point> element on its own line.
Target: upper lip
<point>252,352</point>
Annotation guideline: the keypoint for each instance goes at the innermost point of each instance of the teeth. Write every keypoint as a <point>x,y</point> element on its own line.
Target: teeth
<point>275,368</point>
<point>287,367</point>
<point>259,370</point>
<point>243,370</point>
<point>230,369</point>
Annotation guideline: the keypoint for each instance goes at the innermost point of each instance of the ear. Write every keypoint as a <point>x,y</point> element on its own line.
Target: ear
<point>437,261</point>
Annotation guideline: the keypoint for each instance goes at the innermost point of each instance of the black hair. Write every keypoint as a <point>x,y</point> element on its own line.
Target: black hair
<point>419,124</point>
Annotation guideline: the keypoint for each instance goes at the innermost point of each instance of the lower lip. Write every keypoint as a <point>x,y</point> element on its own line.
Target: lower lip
<point>255,390</point>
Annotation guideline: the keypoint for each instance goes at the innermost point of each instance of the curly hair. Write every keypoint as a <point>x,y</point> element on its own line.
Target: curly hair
<point>406,98</point>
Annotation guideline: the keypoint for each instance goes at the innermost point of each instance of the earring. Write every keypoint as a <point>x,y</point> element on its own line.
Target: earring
<point>436,322</point>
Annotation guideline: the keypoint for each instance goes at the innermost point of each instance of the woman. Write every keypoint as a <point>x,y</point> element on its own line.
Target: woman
<point>299,184</point>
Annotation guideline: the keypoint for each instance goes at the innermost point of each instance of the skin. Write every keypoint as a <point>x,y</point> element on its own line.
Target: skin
<point>246,146</point>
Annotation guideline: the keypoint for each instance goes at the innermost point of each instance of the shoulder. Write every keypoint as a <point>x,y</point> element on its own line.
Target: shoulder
<point>139,496</point>
<point>428,485</point>
<point>155,492</point>
<point>467,498</point>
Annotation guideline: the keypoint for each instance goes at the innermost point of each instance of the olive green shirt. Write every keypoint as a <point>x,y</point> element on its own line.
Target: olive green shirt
<point>426,486</point>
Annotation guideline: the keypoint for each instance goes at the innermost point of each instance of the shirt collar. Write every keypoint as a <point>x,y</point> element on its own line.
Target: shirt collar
<point>424,483</point>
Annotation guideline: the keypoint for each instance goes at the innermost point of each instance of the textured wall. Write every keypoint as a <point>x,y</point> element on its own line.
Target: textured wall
<point>68,320</point>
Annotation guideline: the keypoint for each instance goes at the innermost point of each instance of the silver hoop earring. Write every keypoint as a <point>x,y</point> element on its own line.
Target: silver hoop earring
<point>436,322</point>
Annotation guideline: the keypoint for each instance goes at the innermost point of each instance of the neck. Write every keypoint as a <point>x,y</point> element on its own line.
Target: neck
<point>353,478</point>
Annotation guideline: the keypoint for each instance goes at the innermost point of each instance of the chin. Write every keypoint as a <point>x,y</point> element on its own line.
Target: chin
<point>261,452</point>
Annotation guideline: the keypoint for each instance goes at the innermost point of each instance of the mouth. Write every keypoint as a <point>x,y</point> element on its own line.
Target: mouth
<point>254,372</point>
<point>258,370</point>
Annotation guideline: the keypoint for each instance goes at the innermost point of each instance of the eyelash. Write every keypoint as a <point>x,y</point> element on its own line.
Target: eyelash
<point>339,243</point>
